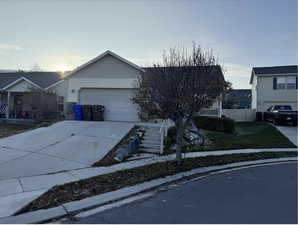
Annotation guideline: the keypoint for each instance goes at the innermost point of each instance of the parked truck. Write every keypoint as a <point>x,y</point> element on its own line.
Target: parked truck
<point>281,114</point>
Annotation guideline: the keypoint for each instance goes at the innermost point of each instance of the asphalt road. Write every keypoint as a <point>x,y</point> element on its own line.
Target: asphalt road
<point>264,194</point>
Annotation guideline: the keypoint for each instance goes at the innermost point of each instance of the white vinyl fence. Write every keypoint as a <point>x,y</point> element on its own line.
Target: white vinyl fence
<point>240,114</point>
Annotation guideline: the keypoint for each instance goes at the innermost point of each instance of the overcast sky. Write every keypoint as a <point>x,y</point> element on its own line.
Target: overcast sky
<point>66,33</point>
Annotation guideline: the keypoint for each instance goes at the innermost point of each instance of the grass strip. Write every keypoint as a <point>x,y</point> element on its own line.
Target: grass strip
<point>78,190</point>
<point>251,135</point>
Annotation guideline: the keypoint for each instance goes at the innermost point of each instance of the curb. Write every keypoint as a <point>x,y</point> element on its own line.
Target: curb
<point>109,197</point>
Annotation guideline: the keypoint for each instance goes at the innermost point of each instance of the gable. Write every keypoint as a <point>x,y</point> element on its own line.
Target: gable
<point>38,79</point>
<point>107,67</point>
<point>21,86</point>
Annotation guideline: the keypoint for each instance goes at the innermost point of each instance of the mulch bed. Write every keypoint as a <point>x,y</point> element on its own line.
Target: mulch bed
<point>110,182</point>
<point>109,160</point>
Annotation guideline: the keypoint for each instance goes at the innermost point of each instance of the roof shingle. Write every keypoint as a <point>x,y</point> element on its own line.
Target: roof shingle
<point>42,79</point>
<point>276,70</point>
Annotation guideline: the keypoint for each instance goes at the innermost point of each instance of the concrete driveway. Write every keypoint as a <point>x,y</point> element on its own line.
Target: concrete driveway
<point>289,132</point>
<point>66,145</point>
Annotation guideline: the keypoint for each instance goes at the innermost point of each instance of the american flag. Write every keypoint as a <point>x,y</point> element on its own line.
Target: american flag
<point>3,107</point>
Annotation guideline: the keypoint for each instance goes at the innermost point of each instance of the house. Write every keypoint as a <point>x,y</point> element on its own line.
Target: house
<point>274,85</point>
<point>107,80</point>
<point>237,99</point>
<point>14,87</point>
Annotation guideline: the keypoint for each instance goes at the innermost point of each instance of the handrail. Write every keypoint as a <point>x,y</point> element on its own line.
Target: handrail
<point>163,132</point>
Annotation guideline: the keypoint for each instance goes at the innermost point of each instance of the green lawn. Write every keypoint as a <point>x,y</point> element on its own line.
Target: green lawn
<point>247,135</point>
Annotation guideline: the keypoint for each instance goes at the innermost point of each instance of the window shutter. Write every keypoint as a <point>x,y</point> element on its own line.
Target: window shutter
<point>274,82</point>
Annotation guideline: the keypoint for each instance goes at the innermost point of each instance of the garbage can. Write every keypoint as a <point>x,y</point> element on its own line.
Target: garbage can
<point>259,116</point>
<point>97,112</point>
<point>78,111</point>
<point>101,112</point>
<point>87,113</point>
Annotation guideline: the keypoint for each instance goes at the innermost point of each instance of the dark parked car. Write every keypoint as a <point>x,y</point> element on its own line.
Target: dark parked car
<point>278,114</point>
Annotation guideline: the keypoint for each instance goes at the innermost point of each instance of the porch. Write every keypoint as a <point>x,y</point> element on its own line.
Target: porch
<point>15,105</point>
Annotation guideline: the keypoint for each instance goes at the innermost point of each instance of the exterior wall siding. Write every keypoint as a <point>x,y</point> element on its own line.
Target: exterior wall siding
<point>268,96</point>
<point>108,67</point>
<point>254,92</point>
<point>60,89</point>
<point>22,86</point>
<point>109,72</point>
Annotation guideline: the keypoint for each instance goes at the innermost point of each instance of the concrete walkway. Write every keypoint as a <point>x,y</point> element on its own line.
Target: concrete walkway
<point>289,132</point>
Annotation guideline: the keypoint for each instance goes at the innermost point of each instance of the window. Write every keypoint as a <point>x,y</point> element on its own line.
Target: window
<point>291,82</point>
<point>281,83</point>
<point>60,103</point>
<point>284,83</point>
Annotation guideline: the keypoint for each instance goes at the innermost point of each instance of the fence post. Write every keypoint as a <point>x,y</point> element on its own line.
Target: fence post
<point>161,141</point>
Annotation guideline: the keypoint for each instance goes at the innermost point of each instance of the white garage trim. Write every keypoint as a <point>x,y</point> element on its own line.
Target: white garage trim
<point>117,102</point>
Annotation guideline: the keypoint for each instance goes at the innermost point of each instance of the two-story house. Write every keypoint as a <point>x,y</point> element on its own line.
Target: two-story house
<point>274,85</point>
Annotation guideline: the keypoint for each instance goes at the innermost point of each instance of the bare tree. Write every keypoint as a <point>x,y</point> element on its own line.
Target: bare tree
<point>36,68</point>
<point>179,87</point>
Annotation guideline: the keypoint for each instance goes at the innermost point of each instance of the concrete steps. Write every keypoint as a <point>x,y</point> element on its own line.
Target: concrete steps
<point>151,140</point>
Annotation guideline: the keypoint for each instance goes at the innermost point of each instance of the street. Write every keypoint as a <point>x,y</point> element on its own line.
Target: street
<point>263,194</point>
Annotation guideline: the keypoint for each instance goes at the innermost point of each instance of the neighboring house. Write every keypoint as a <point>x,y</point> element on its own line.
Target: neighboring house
<point>14,87</point>
<point>274,85</point>
<point>107,80</point>
<point>237,99</point>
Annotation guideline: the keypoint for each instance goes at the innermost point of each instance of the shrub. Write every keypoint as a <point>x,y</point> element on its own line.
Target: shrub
<point>224,124</point>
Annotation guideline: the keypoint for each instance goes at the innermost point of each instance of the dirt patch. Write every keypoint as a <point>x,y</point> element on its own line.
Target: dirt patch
<point>110,182</point>
<point>7,130</point>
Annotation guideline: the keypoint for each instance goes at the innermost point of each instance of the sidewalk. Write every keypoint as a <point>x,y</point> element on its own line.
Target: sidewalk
<point>18,192</point>
<point>289,132</point>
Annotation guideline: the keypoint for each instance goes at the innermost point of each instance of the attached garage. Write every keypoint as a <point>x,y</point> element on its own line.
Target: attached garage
<point>117,102</point>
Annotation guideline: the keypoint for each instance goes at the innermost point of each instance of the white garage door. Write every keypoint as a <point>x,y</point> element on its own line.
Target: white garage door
<point>117,102</point>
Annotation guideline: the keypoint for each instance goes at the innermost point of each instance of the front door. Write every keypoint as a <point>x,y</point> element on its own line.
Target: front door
<point>18,106</point>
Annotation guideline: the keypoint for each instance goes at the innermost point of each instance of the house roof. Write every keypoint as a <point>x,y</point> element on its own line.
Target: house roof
<point>274,70</point>
<point>38,79</point>
<point>50,79</point>
<point>238,96</point>
<point>216,70</point>
<point>239,93</point>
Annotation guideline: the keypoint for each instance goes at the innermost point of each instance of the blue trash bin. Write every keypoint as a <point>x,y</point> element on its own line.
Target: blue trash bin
<point>78,111</point>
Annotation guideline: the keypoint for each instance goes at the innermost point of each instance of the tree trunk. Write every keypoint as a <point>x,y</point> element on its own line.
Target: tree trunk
<point>179,142</point>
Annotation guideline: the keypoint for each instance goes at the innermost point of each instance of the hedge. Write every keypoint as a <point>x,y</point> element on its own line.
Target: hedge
<point>214,123</point>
